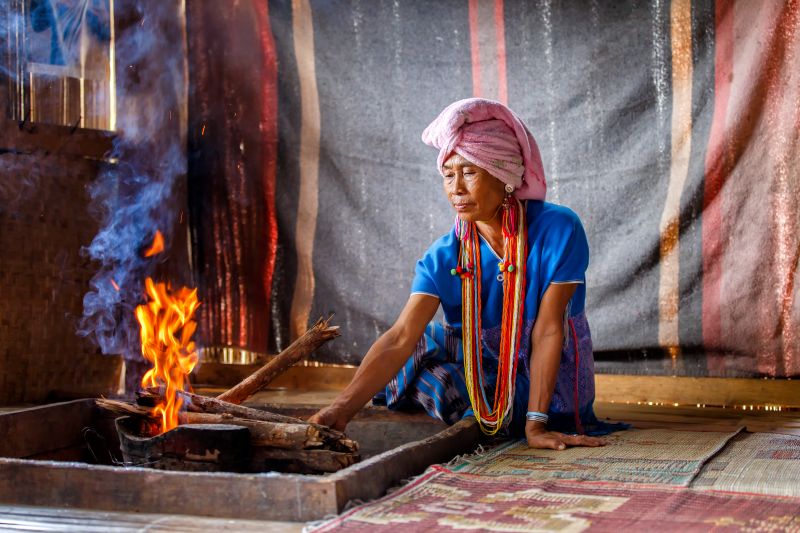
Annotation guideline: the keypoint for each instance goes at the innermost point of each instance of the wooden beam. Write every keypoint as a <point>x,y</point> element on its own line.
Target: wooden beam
<point>370,478</point>
<point>66,520</point>
<point>27,138</point>
<point>693,391</point>
<point>610,387</point>
<point>145,490</point>
<point>39,430</point>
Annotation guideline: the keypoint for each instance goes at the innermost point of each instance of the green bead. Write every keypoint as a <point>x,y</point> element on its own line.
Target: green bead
<point>453,272</point>
<point>511,268</point>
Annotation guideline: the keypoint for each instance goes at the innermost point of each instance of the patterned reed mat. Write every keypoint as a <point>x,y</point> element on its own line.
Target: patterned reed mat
<point>761,463</point>
<point>442,500</point>
<point>650,456</point>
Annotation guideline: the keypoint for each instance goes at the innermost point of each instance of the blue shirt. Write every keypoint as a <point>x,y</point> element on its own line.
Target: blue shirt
<point>558,252</point>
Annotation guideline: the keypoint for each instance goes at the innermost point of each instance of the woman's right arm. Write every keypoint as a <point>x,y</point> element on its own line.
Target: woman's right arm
<point>382,362</point>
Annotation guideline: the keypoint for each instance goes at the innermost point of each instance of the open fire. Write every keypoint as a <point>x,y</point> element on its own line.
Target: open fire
<point>167,325</point>
<point>208,436</point>
<point>215,434</point>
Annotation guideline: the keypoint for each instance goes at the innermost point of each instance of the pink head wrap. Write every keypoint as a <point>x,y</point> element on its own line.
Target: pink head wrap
<point>490,135</point>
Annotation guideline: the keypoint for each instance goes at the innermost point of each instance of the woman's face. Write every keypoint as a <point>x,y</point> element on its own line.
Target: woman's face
<point>475,194</point>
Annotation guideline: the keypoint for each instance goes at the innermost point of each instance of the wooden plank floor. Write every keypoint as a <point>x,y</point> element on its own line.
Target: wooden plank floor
<point>22,518</point>
<point>702,418</point>
<point>640,414</point>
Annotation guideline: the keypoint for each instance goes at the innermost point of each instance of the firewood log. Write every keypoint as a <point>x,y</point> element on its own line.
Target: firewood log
<point>207,404</point>
<point>274,434</point>
<point>333,439</point>
<point>300,461</point>
<point>312,339</point>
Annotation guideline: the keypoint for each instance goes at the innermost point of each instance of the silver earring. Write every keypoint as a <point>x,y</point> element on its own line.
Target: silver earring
<point>509,188</point>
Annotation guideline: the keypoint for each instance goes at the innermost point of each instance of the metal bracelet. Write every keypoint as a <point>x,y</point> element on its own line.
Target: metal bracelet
<point>536,416</point>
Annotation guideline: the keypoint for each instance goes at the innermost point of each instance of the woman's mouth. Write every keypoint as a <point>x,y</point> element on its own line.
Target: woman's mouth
<point>462,206</point>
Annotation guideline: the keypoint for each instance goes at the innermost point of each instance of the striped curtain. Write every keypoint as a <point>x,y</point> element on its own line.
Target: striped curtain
<point>670,127</point>
<point>232,159</point>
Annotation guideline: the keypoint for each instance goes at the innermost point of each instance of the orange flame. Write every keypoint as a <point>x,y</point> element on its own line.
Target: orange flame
<point>157,247</point>
<point>167,325</point>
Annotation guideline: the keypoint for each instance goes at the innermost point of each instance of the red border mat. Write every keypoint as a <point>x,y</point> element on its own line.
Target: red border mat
<point>443,500</point>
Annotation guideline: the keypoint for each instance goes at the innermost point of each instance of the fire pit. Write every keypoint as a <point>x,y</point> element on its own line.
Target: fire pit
<point>184,453</point>
<point>67,455</point>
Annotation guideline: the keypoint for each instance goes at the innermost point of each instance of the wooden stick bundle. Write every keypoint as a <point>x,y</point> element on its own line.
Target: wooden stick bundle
<point>207,404</point>
<point>336,440</point>
<point>275,438</point>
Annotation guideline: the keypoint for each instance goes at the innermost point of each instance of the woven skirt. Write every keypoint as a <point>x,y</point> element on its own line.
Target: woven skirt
<point>433,379</point>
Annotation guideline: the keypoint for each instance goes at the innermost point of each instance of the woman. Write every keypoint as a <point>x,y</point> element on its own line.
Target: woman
<point>515,351</point>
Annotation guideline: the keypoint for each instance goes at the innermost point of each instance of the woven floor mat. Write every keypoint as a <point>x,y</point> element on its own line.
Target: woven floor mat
<point>650,456</point>
<point>761,463</point>
<point>443,500</point>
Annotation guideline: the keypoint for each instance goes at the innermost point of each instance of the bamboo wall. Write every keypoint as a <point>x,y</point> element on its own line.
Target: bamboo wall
<point>44,222</point>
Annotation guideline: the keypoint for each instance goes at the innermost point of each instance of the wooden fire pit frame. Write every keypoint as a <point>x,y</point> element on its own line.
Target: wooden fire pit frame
<point>269,496</point>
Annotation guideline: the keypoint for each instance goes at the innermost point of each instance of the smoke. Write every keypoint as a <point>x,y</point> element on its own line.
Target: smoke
<point>139,188</point>
<point>129,221</point>
<point>140,191</point>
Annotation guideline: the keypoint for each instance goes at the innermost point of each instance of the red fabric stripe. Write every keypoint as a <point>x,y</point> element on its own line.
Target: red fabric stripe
<point>716,172</point>
<point>500,32</point>
<point>783,203</point>
<point>269,149</point>
<point>475,52</point>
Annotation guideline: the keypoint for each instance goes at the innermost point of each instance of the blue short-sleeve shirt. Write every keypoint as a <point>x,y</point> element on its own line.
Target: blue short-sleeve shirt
<point>558,252</point>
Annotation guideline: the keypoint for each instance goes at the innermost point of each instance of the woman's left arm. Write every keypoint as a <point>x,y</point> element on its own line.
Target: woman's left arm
<point>547,339</point>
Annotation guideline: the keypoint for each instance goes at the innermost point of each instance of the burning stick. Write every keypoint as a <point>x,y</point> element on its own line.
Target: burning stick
<point>123,408</point>
<point>273,434</point>
<point>316,336</point>
<point>264,426</point>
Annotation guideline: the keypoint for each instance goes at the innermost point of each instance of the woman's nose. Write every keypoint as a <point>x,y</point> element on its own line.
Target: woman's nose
<point>456,184</point>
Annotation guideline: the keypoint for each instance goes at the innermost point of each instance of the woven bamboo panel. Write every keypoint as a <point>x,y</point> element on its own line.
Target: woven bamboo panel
<point>44,222</point>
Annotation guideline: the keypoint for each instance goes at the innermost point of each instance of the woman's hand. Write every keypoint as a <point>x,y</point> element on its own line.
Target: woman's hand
<point>538,437</point>
<point>383,361</point>
<point>332,417</point>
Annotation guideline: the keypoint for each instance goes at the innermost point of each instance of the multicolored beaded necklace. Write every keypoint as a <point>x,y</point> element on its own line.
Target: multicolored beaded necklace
<point>515,251</point>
